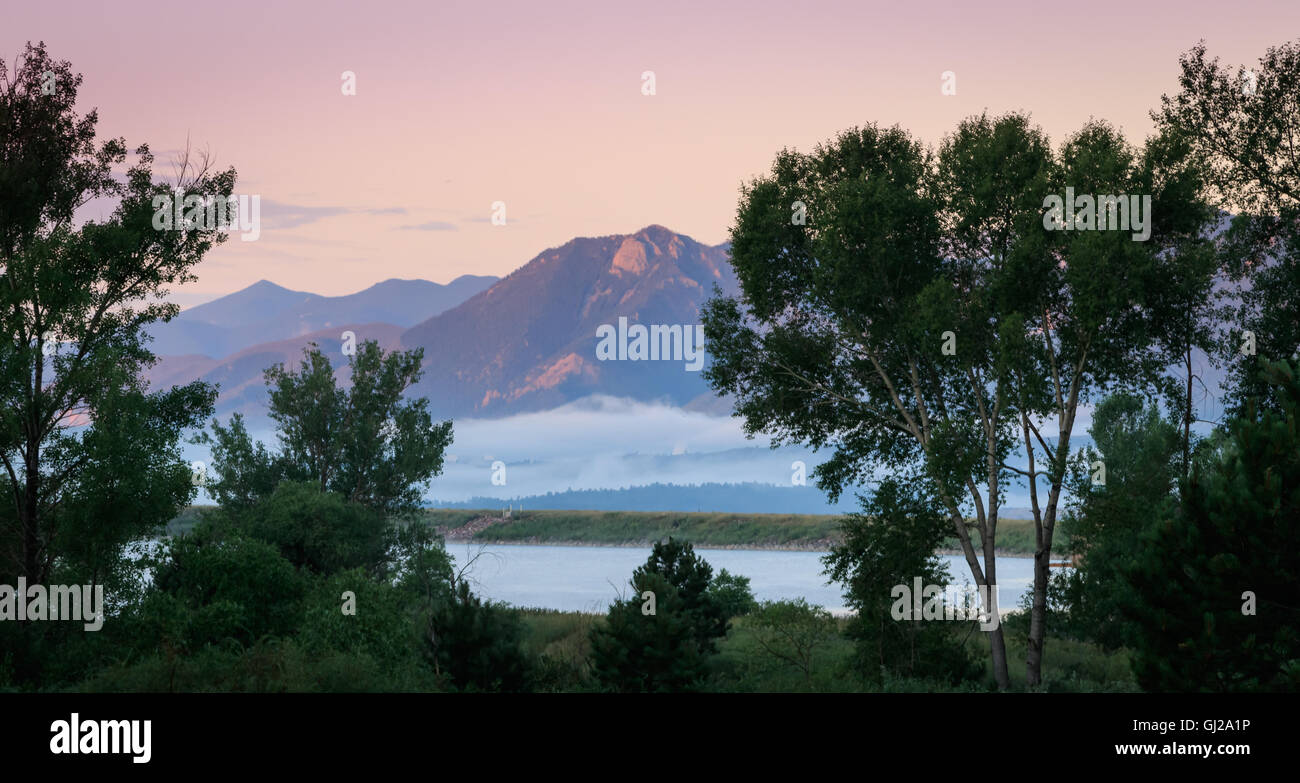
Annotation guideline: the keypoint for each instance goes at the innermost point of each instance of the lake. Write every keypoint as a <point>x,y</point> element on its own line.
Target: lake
<point>589,578</point>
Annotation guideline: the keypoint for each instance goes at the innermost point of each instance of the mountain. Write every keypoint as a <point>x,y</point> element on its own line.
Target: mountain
<point>526,343</point>
<point>530,341</point>
<point>239,375</point>
<point>743,498</point>
<point>265,312</point>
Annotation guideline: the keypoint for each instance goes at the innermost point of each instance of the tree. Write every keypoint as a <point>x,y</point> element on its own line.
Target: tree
<point>691,576</point>
<point>661,637</point>
<point>365,442</point>
<point>928,313</point>
<point>1244,121</point>
<point>1106,521</point>
<point>317,531</point>
<point>1213,588</point>
<point>732,594</point>
<point>892,542</point>
<point>642,652</point>
<point>478,645</point>
<point>90,456</point>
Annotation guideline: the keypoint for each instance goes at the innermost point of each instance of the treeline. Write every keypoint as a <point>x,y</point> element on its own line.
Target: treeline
<point>739,498</point>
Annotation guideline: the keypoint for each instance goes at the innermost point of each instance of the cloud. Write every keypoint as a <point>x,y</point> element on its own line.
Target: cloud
<point>432,225</point>
<point>280,214</point>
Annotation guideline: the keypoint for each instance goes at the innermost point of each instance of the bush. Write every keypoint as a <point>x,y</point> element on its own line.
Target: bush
<point>207,590</point>
<point>732,595</point>
<point>319,531</point>
<point>476,645</point>
<point>378,625</point>
<point>790,632</point>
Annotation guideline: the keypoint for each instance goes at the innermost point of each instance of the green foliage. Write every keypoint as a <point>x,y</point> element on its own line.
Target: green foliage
<point>319,531</point>
<point>1235,533</point>
<point>90,456</point>
<point>790,633</point>
<point>1246,137</point>
<point>732,594</point>
<point>476,645</point>
<point>892,542</point>
<point>209,589</point>
<point>662,641</point>
<point>1063,614</point>
<point>1139,450</point>
<point>364,442</point>
<point>691,578</point>
<point>837,338</point>
<point>638,652</point>
<point>379,628</point>
<point>245,470</point>
<point>270,666</point>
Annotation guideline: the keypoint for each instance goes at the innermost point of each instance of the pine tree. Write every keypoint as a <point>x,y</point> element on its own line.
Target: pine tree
<point>1216,588</point>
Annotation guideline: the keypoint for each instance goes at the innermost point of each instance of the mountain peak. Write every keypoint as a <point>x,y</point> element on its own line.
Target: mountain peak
<point>264,285</point>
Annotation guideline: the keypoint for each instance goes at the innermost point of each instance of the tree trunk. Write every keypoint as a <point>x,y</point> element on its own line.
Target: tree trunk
<point>28,518</point>
<point>998,645</point>
<point>1038,618</point>
<point>1187,419</point>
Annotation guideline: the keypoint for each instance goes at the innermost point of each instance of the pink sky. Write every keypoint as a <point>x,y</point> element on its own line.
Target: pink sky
<point>539,105</point>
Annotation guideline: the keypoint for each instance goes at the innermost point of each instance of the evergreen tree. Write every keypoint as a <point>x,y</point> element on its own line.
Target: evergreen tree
<point>1215,589</point>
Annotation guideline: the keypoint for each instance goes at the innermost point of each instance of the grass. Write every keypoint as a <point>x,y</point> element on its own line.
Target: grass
<point>710,529</point>
<point>740,666</point>
<point>641,528</point>
<point>616,528</point>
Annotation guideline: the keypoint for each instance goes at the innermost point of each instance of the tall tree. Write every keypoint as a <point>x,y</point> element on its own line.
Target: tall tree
<point>1105,522</point>
<point>364,441</point>
<point>1213,588</point>
<point>1245,122</point>
<point>90,457</point>
<point>924,314</point>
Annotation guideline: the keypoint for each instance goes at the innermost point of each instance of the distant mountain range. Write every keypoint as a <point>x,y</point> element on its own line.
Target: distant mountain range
<point>744,498</point>
<point>265,313</point>
<point>492,347</point>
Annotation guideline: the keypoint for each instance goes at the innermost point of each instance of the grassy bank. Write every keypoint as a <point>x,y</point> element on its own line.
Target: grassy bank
<point>704,529</point>
<point>718,530</point>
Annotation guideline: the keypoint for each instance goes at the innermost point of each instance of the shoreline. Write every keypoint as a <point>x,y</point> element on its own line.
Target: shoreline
<point>818,546</point>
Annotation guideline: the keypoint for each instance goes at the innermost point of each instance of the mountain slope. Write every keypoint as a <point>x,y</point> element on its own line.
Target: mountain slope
<point>529,342</point>
<point>239,375</point>
<point>266,312</point>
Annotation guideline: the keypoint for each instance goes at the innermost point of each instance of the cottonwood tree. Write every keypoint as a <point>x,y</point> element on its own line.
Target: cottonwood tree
<point>1245,122</point>
<point>90,457</point>
<point>364,442</point>
<point>925,316</point>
